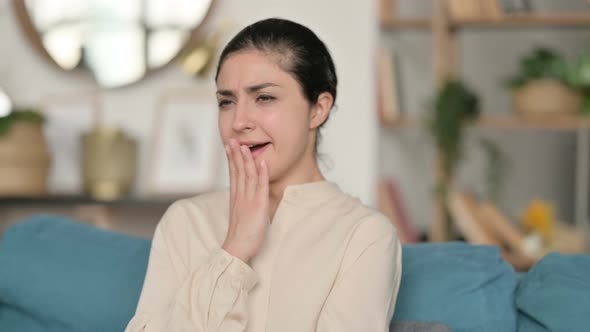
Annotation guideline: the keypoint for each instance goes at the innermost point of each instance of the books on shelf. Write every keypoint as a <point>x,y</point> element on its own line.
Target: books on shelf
<point>483,223</point>
<point>391,203</point>
<point>388,88</point>
<point>502,227</point>
<point>464,211</point>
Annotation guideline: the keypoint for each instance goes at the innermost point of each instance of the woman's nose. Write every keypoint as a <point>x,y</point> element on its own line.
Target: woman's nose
<point>242,119</point>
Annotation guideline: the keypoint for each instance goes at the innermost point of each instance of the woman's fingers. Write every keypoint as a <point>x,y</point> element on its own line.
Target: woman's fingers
<point>251,172</point>
<point>239,162</point>
<point>232,174</point>
<point>263,179</point>
<point>248,180</point>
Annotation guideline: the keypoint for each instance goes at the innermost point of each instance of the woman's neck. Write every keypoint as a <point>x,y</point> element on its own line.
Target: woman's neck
<point>277,187</point>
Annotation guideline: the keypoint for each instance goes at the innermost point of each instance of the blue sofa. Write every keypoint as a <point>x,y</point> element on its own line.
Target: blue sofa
<point>60,275</point>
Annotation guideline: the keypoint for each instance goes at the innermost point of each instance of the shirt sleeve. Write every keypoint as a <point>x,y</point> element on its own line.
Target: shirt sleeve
<point>213,297</point>
<point>364,294</point>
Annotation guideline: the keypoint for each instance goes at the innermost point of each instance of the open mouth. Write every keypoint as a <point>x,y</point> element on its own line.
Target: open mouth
<point>256,147</point>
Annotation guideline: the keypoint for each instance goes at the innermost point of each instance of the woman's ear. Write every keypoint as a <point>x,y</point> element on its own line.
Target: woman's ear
<point>321,110</point>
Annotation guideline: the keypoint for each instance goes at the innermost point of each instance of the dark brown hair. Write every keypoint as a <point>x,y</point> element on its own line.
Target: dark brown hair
<point>301,53</point>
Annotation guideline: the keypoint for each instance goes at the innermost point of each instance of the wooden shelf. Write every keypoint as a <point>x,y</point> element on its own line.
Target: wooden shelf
<point>509,121</point>
<point>405,121</point>
<point>512,122</point>
<point>528,20</point>
<point>405,23</point>
<point>508,21</point>
<point>84,200</point>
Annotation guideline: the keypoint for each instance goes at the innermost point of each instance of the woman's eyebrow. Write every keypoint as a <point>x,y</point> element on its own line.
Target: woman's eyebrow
<point>225,93</point>
<point>254,88</point>
<point>249,89</point>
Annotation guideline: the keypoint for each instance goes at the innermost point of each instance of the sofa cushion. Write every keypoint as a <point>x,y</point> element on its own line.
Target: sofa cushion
<point>466,287</point>
<point>555,295</point>
<point>70,276</point>
<point>15,319</point>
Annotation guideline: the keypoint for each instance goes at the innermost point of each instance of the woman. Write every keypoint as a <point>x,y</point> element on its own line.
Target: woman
<point>283,249</point>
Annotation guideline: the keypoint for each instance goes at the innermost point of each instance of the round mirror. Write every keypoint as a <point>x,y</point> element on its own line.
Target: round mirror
<point>5,104</point>
<point>119,41</point>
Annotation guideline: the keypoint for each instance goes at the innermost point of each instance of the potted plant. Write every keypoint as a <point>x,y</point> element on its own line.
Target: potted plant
<point>24,156</point>
<point>455,106</point>
<point>547,84</point>
<point>580,76</point>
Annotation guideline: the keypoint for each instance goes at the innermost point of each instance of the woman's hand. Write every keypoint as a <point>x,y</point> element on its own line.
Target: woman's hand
<point>249,203</point>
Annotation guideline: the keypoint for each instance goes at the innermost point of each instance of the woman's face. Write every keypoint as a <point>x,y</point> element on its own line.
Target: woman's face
<point>262,106</point>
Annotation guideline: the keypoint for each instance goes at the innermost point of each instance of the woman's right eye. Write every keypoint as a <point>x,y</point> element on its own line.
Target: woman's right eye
<point>223,103</point>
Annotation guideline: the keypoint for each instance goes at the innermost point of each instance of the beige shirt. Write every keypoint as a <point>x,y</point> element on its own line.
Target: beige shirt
<point>328,263</point>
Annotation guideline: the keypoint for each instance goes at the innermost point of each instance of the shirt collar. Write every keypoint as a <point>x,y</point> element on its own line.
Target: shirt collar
<point>311,193</point>
<point>307,194</point>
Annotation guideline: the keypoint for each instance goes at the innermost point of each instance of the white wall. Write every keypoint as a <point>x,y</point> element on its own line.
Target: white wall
<point>350,31</point>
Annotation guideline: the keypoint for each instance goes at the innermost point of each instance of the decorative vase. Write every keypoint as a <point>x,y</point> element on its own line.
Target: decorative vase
<point>109,163</point>
<point>24,161</point>
<point>546,97</point>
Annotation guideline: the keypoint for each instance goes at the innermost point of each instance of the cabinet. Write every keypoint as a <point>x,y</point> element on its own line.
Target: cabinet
<point>445,30</point>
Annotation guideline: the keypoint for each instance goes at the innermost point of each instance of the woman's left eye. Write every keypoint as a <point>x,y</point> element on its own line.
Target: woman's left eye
<point>265,98</point>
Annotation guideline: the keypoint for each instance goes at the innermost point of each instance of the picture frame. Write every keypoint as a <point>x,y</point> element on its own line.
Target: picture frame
<point>67,117</point>
<point>186,149</point>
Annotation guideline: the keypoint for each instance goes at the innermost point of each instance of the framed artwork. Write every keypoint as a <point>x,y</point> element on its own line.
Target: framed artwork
<point>186,148</point>
<point>68,116</point>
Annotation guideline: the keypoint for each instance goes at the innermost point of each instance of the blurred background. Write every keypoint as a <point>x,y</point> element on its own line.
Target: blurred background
<point>460,120</point>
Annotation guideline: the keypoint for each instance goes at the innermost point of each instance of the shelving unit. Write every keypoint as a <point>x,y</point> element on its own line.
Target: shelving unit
<point>131,202</point>
<point>132,214</point>
<point>404,23</point>
<point>564,20</point>
<point>512,122</point>
<point>444,29</point>
<point>528,20</point>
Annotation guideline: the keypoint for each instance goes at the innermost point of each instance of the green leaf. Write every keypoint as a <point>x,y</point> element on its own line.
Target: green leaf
<point>516,82</point>
<point>455,104</point>
<point>582,68</point>
<point>26,115</point>
<point>542,63</point>
<point>5,124</point>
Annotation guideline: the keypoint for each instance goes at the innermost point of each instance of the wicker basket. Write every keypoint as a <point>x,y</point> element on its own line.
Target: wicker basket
<point>24,161</point>
<point>546,98</point>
